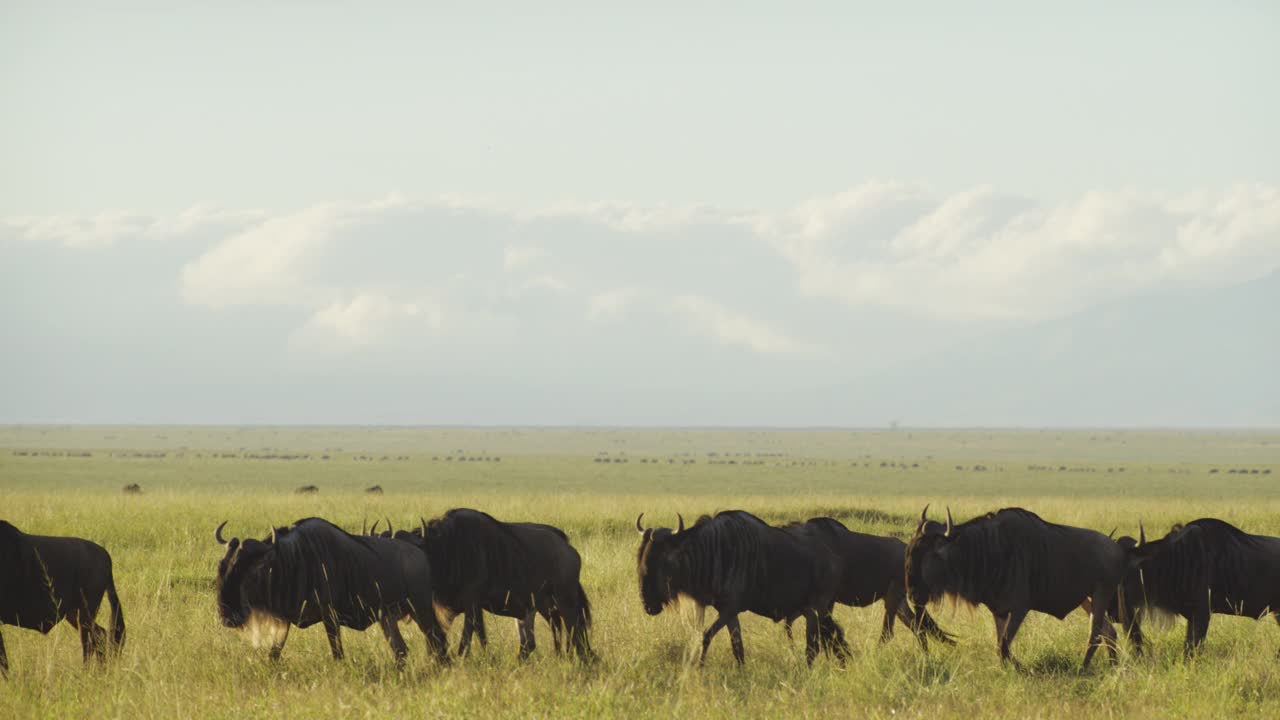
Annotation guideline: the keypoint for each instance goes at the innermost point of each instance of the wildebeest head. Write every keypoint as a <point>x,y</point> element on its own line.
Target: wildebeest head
<point>658,563</point>
<point>242,560</point>
<point>927,574</point>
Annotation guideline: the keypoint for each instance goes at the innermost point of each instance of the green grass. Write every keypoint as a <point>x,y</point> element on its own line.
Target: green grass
<point>180,662</point>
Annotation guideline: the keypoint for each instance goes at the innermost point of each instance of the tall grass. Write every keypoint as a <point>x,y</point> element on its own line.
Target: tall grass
<point>179,662</point>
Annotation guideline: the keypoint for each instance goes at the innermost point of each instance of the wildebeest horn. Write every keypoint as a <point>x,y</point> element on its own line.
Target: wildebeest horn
<point>423,524</point>
<point>217,534</point>
<point>949,523</point>
<point>364,526</point>
<point>1112,535</point>
<point>374,530</point>
<point>393,532</point>
<point>273,535</point>
<point>1142,534</point>
<point>681,519</point>
<point>924,515</point>
<point>639,527</point>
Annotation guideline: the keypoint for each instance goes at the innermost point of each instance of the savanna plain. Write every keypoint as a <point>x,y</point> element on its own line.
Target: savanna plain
<point>179,661</point>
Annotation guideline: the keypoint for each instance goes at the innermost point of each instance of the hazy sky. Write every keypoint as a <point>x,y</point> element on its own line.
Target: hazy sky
<point>204,203</point>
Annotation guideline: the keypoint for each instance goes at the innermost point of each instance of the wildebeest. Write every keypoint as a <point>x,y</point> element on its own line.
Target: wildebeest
<point>513,569</point>
<point>307,490</point>
<point>1014,562</point>
<point>872,571</point>
<point>735,562</point>
<point>1203,567</point>
<point>45,579</point>
<point>374,490</point>
<point>132,489</point>
<point>315,572</point>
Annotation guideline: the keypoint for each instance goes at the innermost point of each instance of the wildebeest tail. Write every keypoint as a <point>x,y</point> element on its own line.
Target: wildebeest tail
<point>117,616</point>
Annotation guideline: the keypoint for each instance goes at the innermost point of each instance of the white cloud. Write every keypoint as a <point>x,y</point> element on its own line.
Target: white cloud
<point>518,256</point>
<point>980,255</point>
<point>106,229</point>
<point>707,317</point>
<point>612,303</point>
<point>369,319</point>
<point>352,272</point>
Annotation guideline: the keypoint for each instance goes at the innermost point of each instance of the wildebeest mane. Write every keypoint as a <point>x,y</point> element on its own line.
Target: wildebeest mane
<point>306,563</point>
<point>705,566</point>
<point>463,539</point>
<point>982,559</point>
<point>1204,552</point>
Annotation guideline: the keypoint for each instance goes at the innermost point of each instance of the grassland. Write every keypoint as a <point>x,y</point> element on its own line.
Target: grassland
<point>180,662</point>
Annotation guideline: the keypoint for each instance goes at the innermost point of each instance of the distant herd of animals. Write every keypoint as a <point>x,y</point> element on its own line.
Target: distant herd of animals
<point>468,563</point>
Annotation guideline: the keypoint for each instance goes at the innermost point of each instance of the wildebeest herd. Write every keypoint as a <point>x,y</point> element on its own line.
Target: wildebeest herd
<point>467,563</point>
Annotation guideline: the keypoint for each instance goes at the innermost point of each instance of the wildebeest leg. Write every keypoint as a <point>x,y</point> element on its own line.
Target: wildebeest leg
<point>92,637</point>
<point>710,633</point>
<point>1006,628</point>
<point>335,640</point>
<point>1197,628</point>
<point>812,635</point>
<point>833,636</point>
<point>735,639</point>
<point>525,626</point>
<point>437,641</point>
<point>391,630</point>
<point>277,642</point>
<point>1133,628</point>
<point>1100,632</point>
<point>474,616</point>
<point>481,634</point>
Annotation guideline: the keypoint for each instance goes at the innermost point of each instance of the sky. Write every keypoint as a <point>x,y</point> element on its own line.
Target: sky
<point>493,213</point>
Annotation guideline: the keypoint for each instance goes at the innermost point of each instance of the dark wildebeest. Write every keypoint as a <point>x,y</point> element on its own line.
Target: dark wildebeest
<point>45,579</point>
<point>1013,562</point>
<point>132,489</point>
<point>515,570</point>
<point>374,490</point>
<point>315,572</point>
<point>1206,566</point>
<point>735,562</point>
<point>307,490</point>
<point>873,571</point>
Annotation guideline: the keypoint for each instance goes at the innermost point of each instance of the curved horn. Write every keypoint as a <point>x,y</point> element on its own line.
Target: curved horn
<point>681,519</point>
<point>423,524</point>
<point>217,534</point>
<point>1142,534</point>
<point>949,523</point>
<point>924,515</point>
<point>273,535</point>
<point>1112,535</point>
<point>393,532</point>
<point>639,527</point>
<point>374,530</point>
<point>364,526</point>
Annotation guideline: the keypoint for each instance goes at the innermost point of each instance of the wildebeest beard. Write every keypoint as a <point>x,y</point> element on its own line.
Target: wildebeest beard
<point>237,573</point>
<point>655,562</point>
